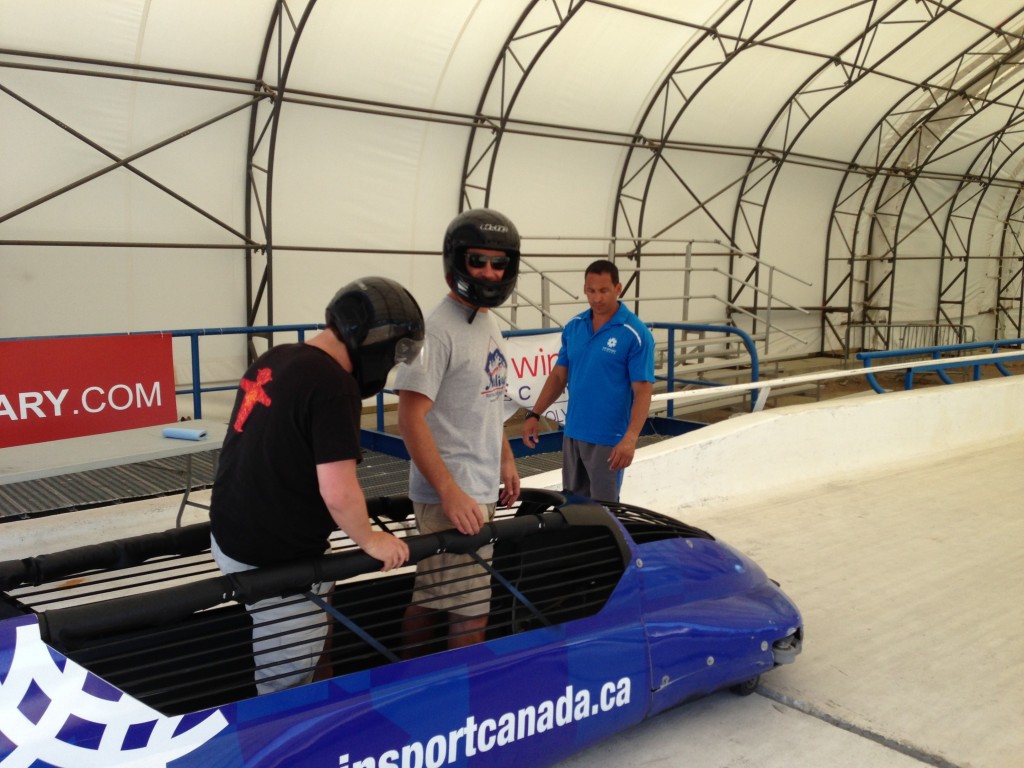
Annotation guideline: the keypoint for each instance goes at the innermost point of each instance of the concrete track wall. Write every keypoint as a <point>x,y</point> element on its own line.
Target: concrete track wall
<point>758,453</point>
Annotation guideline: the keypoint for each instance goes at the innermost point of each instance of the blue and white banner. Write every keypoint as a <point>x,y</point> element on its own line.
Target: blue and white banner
<point>531,359</point>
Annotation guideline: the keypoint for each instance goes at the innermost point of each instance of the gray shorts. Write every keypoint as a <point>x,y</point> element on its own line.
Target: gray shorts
<point>585,470</point>
<point>449,582</point>
<point>288,633</point>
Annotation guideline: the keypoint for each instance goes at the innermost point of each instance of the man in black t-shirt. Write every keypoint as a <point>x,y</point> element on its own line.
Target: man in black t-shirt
<point>286,477</point>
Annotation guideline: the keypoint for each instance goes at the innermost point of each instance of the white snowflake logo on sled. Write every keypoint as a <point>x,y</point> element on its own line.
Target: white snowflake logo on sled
<point>46,711</point>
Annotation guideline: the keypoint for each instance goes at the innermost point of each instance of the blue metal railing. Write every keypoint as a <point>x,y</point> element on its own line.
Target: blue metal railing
<point>942,364</point>
<point>197,389</point>
<point>671,379</point>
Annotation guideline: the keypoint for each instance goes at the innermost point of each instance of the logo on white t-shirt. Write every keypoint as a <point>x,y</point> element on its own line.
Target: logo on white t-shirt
<point>496,369</point>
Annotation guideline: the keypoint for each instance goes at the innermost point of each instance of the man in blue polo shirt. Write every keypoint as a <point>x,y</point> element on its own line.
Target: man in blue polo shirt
<point>607,361</point>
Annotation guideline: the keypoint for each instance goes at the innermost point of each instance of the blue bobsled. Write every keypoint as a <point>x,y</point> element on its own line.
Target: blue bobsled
<point>137,652</point>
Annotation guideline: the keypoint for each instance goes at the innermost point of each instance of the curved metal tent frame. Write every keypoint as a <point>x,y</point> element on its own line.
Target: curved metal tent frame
<point>834,76</point>
<point>903,165</point>
<point>894,150</point>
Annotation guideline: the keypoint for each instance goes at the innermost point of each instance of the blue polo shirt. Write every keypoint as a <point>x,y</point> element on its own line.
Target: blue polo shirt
<point>602,367</point>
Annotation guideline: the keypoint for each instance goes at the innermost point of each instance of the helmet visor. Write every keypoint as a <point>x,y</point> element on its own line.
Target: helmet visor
<point>479,261</point>
<point>406,350</point>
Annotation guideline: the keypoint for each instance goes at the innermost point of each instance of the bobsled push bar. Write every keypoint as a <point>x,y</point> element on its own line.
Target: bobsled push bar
<point>72,625</point>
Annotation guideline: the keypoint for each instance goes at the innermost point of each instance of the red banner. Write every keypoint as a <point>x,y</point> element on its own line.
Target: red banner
<point>56,388</point>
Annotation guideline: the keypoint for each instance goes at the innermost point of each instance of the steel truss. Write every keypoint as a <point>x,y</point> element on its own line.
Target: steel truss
<point>877,212</point>
<point>879,163</point>
<point>883,200</point>
<point>251,95</point>
<point>170,78</point>
<point>1010,283</point>
<point>279,47</point>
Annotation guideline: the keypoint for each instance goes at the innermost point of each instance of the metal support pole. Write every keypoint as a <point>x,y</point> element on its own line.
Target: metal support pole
<point>687,271</point>
<point>545,301</point>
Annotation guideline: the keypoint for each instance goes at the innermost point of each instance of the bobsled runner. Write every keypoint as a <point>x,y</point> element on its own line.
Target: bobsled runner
<point>139,652</point>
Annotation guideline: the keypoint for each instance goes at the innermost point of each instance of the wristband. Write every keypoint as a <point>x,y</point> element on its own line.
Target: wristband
<point>532,415</point>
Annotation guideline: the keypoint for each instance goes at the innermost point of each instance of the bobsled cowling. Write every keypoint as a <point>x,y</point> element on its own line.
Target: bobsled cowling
<point>600,615</point>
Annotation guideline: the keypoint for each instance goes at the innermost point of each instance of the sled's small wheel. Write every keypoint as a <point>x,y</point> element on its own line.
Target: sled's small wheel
<point>747,687</point>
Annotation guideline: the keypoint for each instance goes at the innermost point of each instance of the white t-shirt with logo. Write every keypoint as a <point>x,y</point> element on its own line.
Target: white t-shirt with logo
<point>463,369</point>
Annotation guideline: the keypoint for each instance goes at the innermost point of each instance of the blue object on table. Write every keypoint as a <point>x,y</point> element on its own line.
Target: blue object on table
<point>184,434</point>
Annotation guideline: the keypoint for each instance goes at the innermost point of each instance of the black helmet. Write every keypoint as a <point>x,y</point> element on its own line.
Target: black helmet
<point>381,324</point>
<point>480,228</point>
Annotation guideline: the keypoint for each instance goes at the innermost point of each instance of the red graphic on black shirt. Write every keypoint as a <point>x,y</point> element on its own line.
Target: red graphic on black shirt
<point>253,394</point>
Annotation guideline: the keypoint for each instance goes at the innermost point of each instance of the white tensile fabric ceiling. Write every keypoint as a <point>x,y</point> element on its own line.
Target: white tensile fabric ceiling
<point>182,164</point>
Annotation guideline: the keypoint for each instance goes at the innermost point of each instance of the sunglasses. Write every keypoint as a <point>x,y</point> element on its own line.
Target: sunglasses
<point>478,261</point>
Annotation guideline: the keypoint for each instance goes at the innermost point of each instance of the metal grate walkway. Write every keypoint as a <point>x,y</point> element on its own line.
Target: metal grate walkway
<point>82,490</point>
<point>379,473</point>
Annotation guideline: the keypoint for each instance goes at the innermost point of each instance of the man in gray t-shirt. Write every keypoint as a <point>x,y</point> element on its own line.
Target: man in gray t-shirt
<point>451,416</point>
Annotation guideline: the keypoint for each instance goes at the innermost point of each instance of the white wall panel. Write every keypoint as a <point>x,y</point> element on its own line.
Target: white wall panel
<point>598,71</point>
<point>348,180</point>
<point>222,37</point>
